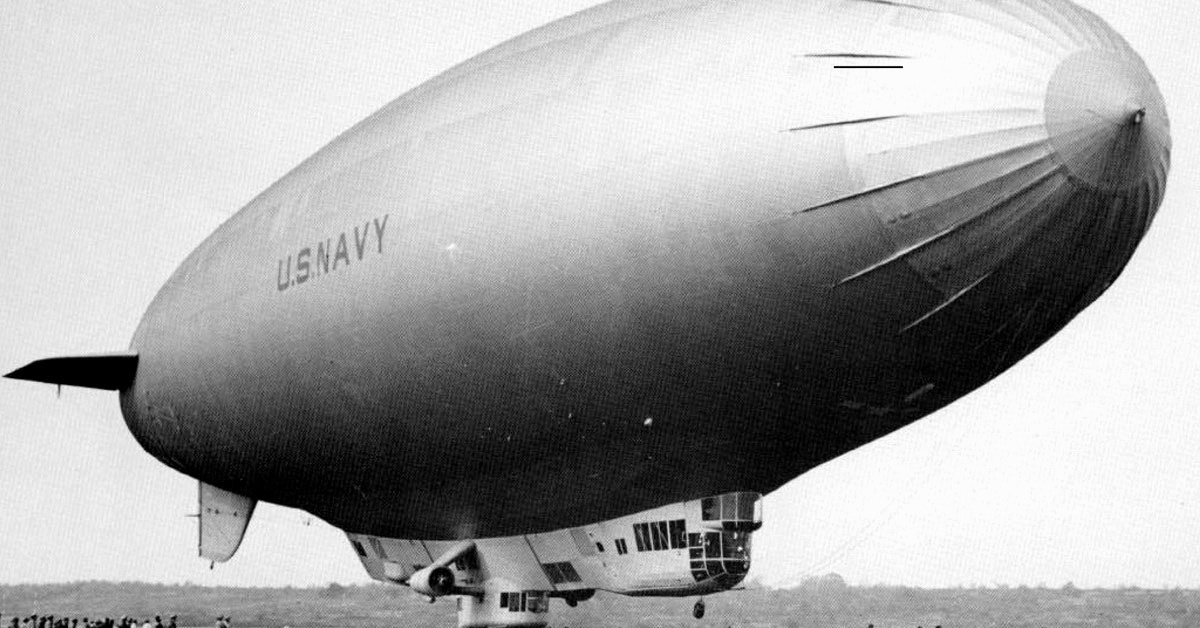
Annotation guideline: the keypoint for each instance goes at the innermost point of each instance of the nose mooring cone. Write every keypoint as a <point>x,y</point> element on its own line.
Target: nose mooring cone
<point>1107,122</point>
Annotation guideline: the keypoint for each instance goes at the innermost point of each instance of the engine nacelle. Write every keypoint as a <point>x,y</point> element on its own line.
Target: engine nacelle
<point>433,581</point>
<point>574,596</point>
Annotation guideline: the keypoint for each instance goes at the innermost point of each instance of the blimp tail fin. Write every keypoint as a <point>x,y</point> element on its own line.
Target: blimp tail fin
<point>108,371</point>
<point>223,519</point>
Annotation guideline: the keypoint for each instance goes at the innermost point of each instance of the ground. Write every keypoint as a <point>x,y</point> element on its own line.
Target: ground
<point>821,603</point>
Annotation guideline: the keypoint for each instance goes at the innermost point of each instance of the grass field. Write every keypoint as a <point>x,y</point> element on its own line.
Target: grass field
<point>821,603</point>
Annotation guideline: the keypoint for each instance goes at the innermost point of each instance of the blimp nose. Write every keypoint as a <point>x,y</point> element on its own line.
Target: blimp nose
<point>1016,196</point>
<point>1107,124</point>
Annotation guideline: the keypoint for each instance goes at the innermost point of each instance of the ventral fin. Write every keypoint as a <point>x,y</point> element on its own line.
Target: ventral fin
<point>223,520</point>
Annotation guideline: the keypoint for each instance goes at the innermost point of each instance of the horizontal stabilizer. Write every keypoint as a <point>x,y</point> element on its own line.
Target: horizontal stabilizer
<point>108,371</point>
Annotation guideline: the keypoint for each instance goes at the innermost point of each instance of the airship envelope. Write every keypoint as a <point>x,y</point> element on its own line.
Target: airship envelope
<point>628,271</point>
<point>681,248</point>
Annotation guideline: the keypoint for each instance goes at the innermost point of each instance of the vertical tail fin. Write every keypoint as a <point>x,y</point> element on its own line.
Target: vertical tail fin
<point>223,520</point>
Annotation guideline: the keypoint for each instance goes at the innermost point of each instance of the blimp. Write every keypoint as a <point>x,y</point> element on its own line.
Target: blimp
<point>554,321</point>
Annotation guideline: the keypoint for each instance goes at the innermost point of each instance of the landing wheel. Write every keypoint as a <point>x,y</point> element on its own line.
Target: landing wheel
<point>698,609</point>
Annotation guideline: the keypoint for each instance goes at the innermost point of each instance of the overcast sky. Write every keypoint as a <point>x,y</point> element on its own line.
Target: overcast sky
<point>128,134</point>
